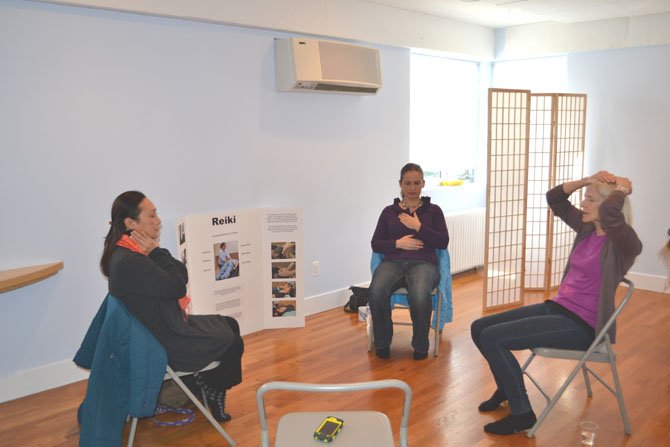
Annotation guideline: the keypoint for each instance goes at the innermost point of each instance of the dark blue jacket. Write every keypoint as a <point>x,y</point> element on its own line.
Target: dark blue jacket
<point>127,368</point>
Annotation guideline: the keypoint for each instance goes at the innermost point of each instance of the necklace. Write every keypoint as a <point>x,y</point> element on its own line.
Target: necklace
<point>406,205</point>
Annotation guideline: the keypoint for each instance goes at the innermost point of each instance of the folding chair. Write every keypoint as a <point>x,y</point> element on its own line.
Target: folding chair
<point>361,428</point>
<point>127,366</point>
<point>600,351</point>
<point>441,296</point>
<point>204,409</point>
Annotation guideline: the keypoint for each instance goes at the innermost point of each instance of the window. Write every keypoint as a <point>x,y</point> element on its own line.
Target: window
<point>444,116</point>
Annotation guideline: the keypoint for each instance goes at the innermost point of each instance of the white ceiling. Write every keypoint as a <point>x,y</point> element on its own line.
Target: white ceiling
<point>504,13</point>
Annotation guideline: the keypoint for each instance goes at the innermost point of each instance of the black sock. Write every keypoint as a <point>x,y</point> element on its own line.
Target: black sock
<point>514,423</point>
<point>383,353</point>
<point>216,401</point>
<point>494,401</point>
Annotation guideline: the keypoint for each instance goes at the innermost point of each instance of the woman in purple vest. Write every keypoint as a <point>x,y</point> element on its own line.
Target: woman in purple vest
<point>407,234</point>
<point>604,249</point>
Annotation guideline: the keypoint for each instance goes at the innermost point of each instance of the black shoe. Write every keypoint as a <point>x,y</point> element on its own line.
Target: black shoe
<point>419,355</point>
<point>512,424</point>
<point>493,402</point>
<point>383,353</point>
<point>216,400</point>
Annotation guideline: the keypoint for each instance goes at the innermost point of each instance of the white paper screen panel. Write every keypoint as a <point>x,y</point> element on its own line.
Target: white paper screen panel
<point>568,165</point>
<point>506,197</point>
<point>555,155</point>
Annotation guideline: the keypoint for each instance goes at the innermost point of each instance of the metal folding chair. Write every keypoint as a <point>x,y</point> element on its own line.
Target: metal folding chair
<point>360,429</point>
<point>600,351</point>
<point>441,295</point>
<point>175,375</point>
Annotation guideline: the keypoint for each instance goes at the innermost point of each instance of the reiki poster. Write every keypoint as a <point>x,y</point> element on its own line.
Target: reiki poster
<point>246,264</point>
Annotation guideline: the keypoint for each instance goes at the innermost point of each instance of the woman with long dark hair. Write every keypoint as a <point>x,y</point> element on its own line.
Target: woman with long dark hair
<point>152,286</point>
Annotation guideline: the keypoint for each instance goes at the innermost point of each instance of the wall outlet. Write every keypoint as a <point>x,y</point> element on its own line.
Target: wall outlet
<point>316,268</point>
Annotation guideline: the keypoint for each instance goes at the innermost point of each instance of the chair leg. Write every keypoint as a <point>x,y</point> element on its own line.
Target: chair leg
<point>587,381</point>
<point>557,396</point>
<point>133,429</point>
<point>201,407</point>
<point>371,334</point>
<point>532,379</point>
<point>619,393</point>
<point>436,348</point>
<point>530,359</point>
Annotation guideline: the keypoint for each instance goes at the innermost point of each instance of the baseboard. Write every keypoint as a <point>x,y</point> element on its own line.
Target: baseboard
<point>653,283</point>
<point>38,379</point>
<point>62,373</point>
<point>329,300</point>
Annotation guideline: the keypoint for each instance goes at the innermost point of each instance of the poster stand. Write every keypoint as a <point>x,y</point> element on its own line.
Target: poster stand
<point>246,264</point>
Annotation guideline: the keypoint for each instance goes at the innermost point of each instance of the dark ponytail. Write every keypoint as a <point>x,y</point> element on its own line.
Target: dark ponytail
<point>410,167</point>
<point>125,205</point>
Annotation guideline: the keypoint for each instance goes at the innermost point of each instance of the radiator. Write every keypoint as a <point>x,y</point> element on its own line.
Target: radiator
<point>466,238</point>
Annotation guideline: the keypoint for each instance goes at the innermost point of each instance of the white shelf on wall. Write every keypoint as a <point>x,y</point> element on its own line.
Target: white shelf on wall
<point>21,277</point>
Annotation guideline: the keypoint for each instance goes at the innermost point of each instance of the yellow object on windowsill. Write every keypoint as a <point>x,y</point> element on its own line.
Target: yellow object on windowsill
<point>451,183</point>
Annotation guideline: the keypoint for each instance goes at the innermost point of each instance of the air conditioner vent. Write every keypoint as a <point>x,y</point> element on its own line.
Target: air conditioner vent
<point>344,88</point>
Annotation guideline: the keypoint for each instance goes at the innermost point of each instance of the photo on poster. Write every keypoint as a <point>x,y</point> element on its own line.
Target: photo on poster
<point>282,250</point>
<point>284,308</point>
<point>226,260</point>
<point>283,289</point>
<point>182,234</point>
<point>283,270</point>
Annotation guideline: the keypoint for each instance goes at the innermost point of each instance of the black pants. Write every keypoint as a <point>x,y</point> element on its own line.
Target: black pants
<point>545,324</point>
<point>229,372</point>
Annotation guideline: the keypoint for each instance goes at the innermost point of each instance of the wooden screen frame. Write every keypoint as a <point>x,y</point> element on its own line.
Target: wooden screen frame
<point>500,226</point>
<point>566,146</point>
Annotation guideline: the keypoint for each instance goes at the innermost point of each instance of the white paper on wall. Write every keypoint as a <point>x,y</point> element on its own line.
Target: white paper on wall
<point>246,264</point>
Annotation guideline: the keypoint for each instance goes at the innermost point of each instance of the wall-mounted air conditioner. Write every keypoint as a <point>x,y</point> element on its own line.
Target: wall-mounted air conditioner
<point>313,65</point>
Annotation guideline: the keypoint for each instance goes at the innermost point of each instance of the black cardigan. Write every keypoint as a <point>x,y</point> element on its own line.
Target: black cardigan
<point>150,287</point>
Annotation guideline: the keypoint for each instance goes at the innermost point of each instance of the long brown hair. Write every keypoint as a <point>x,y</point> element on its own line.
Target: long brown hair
<point>125,205</point>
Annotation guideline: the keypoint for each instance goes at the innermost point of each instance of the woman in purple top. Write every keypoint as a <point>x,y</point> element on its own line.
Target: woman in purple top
<point>407,234</point>
<point>604,249</point>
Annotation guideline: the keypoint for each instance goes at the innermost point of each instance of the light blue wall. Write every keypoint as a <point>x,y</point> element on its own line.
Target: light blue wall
<point>628,111</point>
<point>628,120</point>
<point>94,103</point>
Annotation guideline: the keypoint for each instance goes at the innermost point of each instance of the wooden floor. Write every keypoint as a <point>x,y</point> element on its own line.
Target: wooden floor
<point>333,348</point>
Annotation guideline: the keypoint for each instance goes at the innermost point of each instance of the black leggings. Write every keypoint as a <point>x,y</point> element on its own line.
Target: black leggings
<point>229,372</point>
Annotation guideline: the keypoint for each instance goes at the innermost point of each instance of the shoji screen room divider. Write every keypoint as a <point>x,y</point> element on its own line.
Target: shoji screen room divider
<point>536,141</point>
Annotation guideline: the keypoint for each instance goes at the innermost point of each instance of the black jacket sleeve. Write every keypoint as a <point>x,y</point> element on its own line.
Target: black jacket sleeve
<point>158,275</point>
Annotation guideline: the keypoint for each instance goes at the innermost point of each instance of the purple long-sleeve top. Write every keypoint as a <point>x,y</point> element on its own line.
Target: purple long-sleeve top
<point>433,232</point>
<point>617,254</point>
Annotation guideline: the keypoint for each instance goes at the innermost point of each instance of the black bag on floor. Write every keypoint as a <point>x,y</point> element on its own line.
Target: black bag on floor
<point>358,298</point>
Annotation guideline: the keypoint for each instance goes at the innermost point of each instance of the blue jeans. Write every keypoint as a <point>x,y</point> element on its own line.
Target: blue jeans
<point>537,325</point>
<point>225,269</point>
<point>420,278</point>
